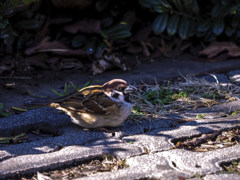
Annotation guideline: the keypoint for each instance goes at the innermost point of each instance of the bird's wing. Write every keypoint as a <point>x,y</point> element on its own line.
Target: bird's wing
<point>91,99</point>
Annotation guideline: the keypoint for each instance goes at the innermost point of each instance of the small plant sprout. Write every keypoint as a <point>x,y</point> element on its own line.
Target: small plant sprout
<point>4,113</point>
<point>75,87</point>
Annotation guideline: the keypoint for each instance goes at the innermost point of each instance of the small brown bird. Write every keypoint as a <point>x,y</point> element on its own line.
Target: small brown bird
<point>98,106</point>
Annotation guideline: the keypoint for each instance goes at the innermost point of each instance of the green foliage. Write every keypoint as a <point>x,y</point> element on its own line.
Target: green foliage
<point>102,4</point>
<point>179,95</point>
<point>95,46</point>
<point>90,46</point>
<point>204,20</point>
<point>19,109</point>
<point>235,112</point>
<point>65,91</point>
<point>233,167</point>
<point>89,83</point>
<point>118,31</point>
<point>195,18</point>
<point>137,110</point>
<point>7,6</point>
<point>201,116</point>
<point>12,139</point>
<point>3,23</point>
<point>2,112</point>
<point>214,95</point>
<point>10,31</point>
<point>163,96</point>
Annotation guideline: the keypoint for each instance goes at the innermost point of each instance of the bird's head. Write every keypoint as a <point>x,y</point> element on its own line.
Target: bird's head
<point>118,89</point>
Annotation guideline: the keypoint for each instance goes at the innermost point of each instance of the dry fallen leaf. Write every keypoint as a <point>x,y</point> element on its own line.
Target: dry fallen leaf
<point>55,47</point>
<point>134,48</point>
<point>79,4</point>
<point>41,176</point>
<point>71,63</point>
<point>100,66</point>
<point>109,62</point>
<point>197,140</point>
<point>173,48</point>
<point>70,52</point>
<point>143,33</point>
<point>217,48</point>
<point>89,26</point>
<point>60,20</point>
<point>145,49</point>
<point>116,61</point>
<point>45,44</point>
<point>7,64</point>
<point>38,60</point>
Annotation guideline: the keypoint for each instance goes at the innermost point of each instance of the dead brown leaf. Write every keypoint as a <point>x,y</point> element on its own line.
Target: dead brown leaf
<point>71,52</point>
<point>86,25</point>
<point>4,68</point>
<point>71,63</point>
<point>60,20</point>
<point>80,4</point>
<point>145,49</point>
<point>54,47</point>
<point>143,33</point>
<point>173,48</point>
<point>46,45</point>
<point>53,63</point>
<point>181,178</point>
<point>134,48</point>
<point>110,62</point>
<point>116,61</point>
<point>190,143</point>
<point>7,64</point>
<point>38,60</point>
<point>100,66</point>
<point>217,48</point>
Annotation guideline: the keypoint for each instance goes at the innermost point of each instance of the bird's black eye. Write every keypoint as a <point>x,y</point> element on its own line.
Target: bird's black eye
<point>121,89</point>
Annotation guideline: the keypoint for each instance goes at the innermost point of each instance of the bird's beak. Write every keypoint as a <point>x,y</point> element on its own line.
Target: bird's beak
<point>129,89</point>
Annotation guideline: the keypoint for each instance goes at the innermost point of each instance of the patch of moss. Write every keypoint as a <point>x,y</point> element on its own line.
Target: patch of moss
<point>212,95</point>
<point>163,96</point>
<point>233,167</point>
<point>4,113</point>
<point>201,116</point>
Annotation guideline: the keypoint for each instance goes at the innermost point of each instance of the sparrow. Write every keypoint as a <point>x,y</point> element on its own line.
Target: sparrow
<point>98,106</point>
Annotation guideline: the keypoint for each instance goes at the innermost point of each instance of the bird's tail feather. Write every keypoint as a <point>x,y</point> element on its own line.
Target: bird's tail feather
<point>40,102</point>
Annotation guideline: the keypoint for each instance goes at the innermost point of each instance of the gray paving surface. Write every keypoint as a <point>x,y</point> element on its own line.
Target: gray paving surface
<point>172,163</point>
<point>64,143</point>
<point>222,177</point>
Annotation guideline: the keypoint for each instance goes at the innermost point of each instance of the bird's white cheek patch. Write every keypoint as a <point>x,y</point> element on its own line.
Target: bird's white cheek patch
<point>120,97</point>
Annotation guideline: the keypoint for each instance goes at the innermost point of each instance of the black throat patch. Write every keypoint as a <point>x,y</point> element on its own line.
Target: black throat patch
<point>115,95</point>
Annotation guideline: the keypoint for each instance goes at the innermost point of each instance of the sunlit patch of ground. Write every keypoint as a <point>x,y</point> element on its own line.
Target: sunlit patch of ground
<point>187,93</point>
<point>212,141</point>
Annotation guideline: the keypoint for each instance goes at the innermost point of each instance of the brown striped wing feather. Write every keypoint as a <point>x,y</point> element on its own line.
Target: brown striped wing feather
<point>91,99</point>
